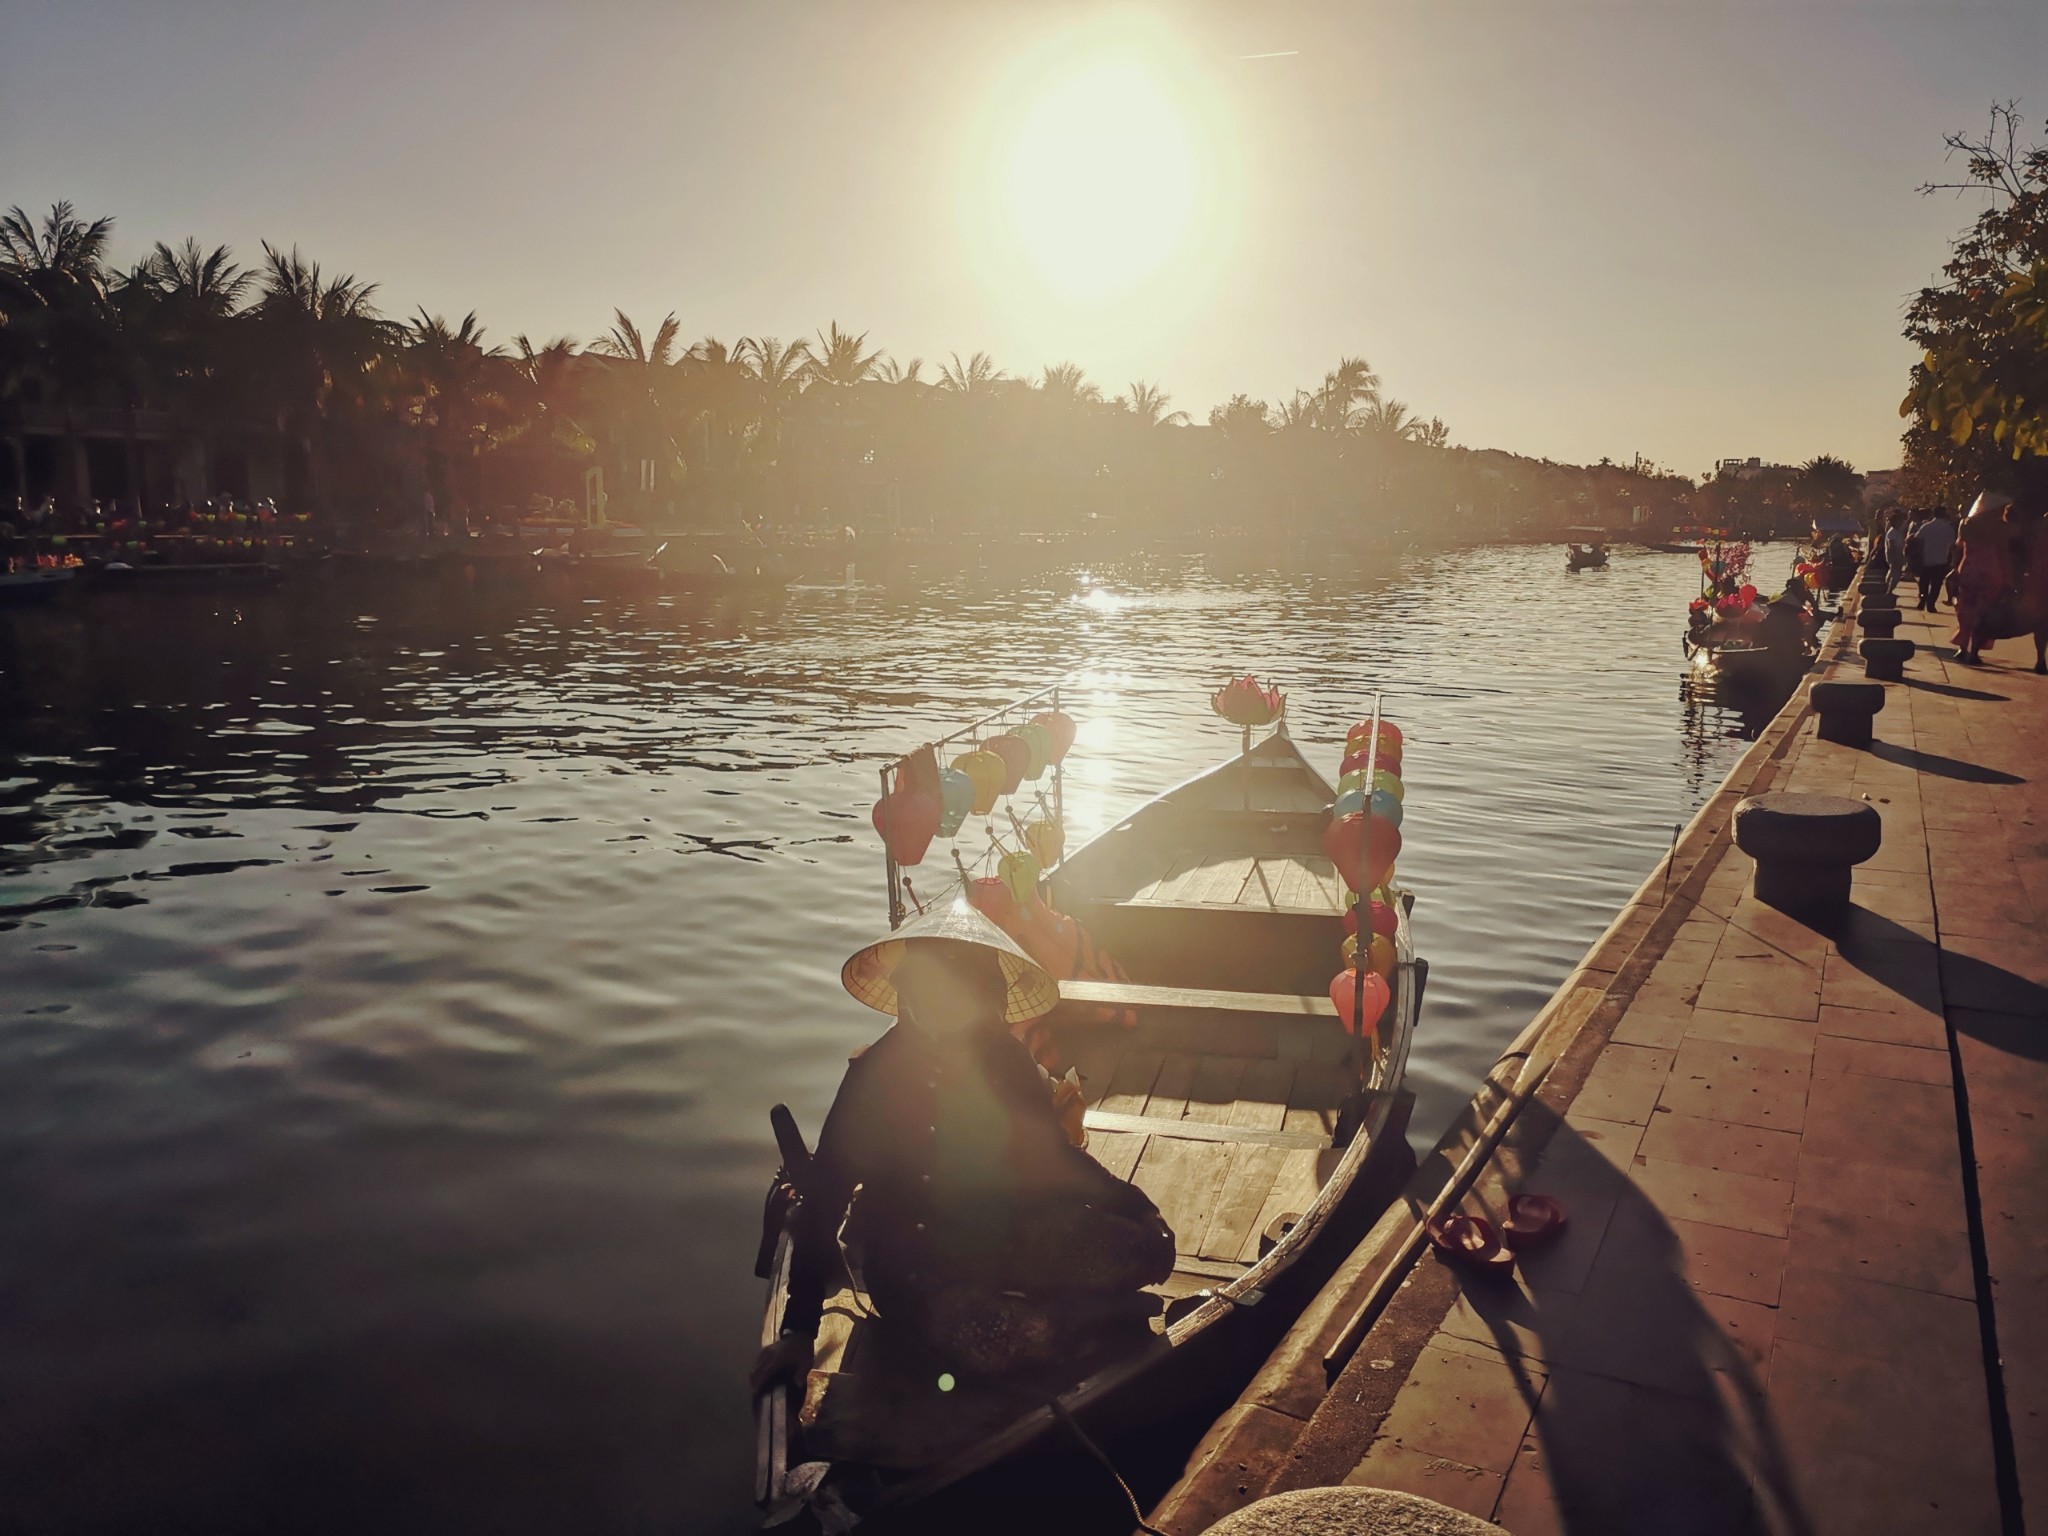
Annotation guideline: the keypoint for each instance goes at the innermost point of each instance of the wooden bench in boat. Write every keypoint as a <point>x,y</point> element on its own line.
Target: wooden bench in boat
<point>1276,882</point>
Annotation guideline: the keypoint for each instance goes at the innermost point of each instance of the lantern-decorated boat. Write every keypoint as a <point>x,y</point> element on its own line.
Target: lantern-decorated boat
<point>1728,626</point>
<point>1239,987</point>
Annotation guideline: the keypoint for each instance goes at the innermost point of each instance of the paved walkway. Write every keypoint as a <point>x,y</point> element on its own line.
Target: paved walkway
<point>1772,1308</point>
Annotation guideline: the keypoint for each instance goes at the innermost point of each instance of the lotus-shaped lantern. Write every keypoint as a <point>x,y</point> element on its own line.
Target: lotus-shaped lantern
<point>1243,702</point>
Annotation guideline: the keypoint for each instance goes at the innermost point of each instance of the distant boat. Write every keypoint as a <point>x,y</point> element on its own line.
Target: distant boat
<point>23,589</point>
<point>1587,551</point>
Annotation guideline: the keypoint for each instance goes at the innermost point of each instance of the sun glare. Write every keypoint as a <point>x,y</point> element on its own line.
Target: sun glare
<point>1101,181</point>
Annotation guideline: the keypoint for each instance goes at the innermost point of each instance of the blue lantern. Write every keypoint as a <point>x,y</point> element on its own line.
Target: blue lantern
<point>956,800</point>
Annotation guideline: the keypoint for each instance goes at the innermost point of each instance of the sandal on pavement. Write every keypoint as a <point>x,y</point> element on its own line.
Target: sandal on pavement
<point>1532,1219</point>
<point>1469,1240</point>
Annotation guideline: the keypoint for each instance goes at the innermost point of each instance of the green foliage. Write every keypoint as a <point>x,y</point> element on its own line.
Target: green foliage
<point>1978,398</point>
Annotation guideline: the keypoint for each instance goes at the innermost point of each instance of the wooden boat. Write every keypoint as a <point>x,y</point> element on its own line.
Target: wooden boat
<point>1577,558</point>
<point>238,575</point>
<point>23,589</point>
<point>1268,1138</point>
<point>1741,661</point>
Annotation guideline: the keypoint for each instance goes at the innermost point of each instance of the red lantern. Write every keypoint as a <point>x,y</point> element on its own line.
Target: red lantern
<point>1382,918</point>
<point>1389,759</point>
<point>908,821</point>
<point>1344,992</point>
<point>994,900</point>
<point>1016,756</point>
<point>920,771</point>
<point>1362,849</point>
<point>1060,726</point>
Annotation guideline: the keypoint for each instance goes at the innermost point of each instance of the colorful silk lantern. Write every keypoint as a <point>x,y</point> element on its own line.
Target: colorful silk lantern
<point>956,800</point>
<point>1350,803</point>
<point>920,771</point>
<point>993,900</point>
<point>1019,871</point>
<point>1059,725</point>
<point>1362,848</point>
<point>1391,783</point>
<point>1016,757</point>
<point>1039,740</point>
<point>1353,780</point>
<point>1046,839</point>
<point>1379,956</point>
<point>908,820</point>
<point>1387,806</point>
<point>1345,990</point>
<point>1243,701</point>
<point>987,772</point>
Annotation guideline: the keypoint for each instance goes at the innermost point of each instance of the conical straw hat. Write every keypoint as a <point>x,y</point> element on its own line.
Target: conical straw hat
<point>1030,991</point>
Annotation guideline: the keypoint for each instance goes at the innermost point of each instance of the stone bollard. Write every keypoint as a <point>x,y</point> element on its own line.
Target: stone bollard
<point>1350,1512</point>
<point>1846,710</point>
<point>1885,661</point>
<point>1804,847</point>
<point>1879,623</point>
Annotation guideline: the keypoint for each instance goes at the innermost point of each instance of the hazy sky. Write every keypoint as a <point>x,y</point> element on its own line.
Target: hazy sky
<point>1686,229</point>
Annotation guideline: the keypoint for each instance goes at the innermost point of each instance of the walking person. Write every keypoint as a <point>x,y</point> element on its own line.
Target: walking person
<point>1937,548</point>
<point>1983,571</point>
<point>1895,547</point>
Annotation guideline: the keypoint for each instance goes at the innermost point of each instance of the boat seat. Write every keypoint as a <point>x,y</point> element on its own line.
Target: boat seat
<point>1131,994</point>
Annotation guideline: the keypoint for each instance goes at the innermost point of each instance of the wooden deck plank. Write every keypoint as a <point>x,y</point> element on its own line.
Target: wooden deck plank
<point>1310,1139</point>
<point>1094,1054</point>
<point>1318,1093</point>
<point>1262,1095</point>
<point>1294,1189</point>
<point>1246,1188</point>
<point>1215,1088</point>
<point>1170,1090</point>
<point>1131,1084</point>
<point>1218,882</point>
<point>1118,1151</point>
<point>1184,1178</point>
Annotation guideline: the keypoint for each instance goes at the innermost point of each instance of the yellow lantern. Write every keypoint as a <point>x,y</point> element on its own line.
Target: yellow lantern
<point>987,772</point>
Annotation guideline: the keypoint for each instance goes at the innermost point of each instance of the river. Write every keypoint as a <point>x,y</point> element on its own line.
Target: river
<point>393,986</point>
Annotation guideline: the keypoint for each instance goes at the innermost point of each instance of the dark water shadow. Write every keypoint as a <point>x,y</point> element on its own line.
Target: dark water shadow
<point>1648,1415</point>
<point>1940,766</point>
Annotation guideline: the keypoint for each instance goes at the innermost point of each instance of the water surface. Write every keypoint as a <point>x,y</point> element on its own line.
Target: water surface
<point>393,985</point>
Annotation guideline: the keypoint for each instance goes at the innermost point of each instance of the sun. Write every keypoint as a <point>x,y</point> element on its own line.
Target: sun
<point>1101,180</point>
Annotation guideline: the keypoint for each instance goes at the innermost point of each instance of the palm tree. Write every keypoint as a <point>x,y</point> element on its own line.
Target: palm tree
<point>1148,402</point>
<point>625,342</point>
<point>1065,384</point>
<point>197,295</point>
<point>1241,417</point>
<point>977,376</point>
<point>840,360</point>
<point>1388,419</point>
<point>325,351</point>
<point>1348,386</point>
<point>460,398</point>
<point>892,372</point>
<point>53,295</point>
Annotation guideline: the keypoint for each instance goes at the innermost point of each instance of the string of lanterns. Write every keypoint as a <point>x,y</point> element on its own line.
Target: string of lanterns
<point>928,802</point>
<point>1363,839</point>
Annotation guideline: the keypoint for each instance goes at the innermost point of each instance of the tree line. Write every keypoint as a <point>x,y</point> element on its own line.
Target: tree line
<point>192,346</point>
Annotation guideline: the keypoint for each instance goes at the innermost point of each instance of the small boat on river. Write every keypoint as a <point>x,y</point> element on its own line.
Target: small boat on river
<point>183,576</point>
<point>1220,1080</point>
<point>35,585</point>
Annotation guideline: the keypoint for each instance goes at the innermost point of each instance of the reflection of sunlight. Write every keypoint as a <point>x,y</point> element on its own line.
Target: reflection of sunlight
<point>1102,600</point>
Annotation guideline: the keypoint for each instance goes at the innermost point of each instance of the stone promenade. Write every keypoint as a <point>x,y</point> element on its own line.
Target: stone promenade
<point>1805,1284</point>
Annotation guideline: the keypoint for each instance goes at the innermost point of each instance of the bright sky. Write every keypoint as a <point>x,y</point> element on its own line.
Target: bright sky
<point>1685,228</point>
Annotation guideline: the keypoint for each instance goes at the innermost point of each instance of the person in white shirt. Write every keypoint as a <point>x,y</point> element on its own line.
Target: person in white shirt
<point>1937,549</point>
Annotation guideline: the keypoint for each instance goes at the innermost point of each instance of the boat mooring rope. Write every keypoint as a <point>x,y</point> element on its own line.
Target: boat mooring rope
<point>1059,1411</point>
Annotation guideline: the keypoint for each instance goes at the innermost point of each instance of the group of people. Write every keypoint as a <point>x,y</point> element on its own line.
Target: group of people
<point>1921,547</point>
